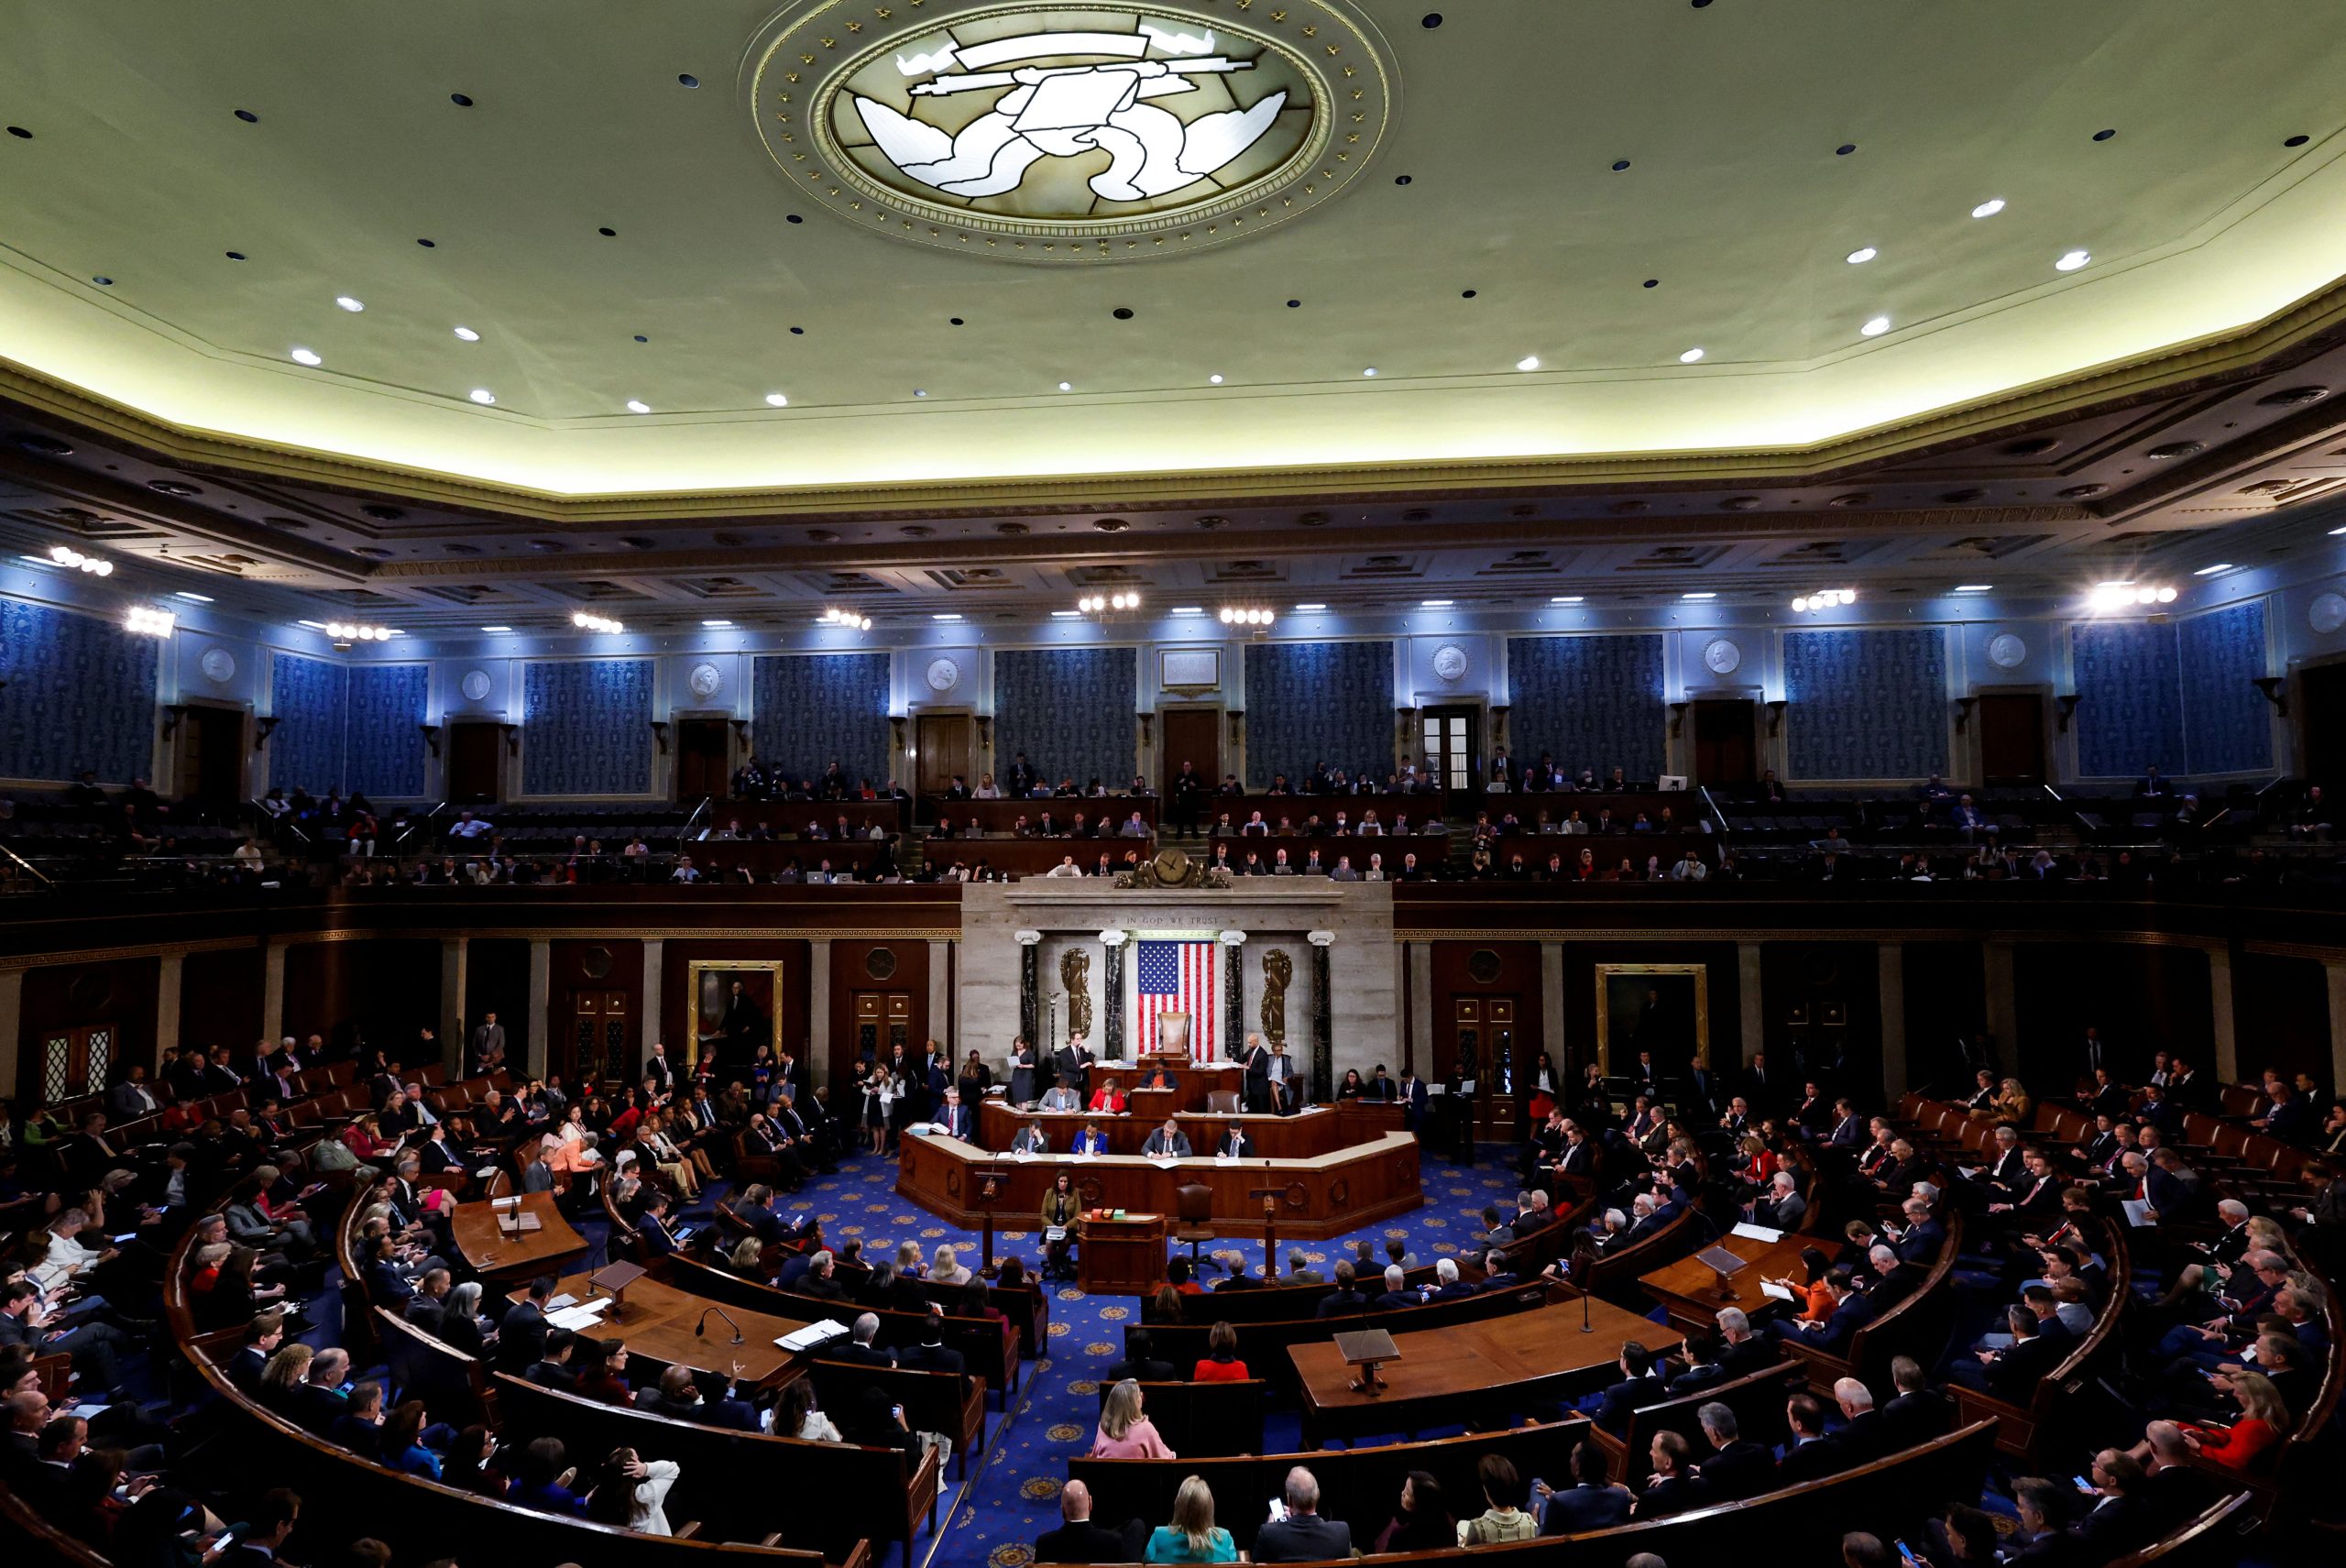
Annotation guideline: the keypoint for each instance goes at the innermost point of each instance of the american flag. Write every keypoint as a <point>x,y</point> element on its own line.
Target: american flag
<point>1178,977</point>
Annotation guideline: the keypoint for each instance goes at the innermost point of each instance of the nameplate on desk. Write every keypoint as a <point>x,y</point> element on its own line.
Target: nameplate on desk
<point>1750,1231</point>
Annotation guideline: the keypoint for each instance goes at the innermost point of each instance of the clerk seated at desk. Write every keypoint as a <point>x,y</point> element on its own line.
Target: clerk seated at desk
<point>1235,1143</point>
<point>1091,1140</point>
<point>1061,1097</point>
<point>1159,1078</point>
<point>1030,1140</point>
<point>1167,1141</point>
<point>1108,1098</point>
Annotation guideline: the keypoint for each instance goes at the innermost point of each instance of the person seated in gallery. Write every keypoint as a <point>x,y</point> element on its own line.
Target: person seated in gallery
<point>1108,1098</point>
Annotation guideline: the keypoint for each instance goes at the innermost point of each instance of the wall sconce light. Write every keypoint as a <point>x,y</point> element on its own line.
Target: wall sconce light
<point>513,733</point>
<point>2276,692</point>
<point>1963,707</point>
<point>262,726</point>
<point>660,734</point>
<point>430,737</point>
<point>1775,717</point>
<point>2068,706</point>
<point>1678,719</point>
<point>172,714</point>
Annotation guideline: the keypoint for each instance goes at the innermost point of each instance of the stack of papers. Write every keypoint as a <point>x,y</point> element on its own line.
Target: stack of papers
<point>577,1318</point>
<point>813,1334</point>
<point>1757,1232</point>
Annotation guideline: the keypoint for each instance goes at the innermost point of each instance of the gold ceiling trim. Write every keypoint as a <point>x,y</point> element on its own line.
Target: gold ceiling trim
<point>2133,381</point>
<point>2317,953</point>
<point>621,934</point>
<point>22,962</point>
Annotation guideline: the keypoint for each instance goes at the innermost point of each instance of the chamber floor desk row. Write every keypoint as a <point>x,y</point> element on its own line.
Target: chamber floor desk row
<point>1323,1196</point>
<point>1323,1129</point>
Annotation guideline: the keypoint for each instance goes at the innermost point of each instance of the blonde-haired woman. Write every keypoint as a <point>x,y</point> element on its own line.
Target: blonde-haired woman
<point>946,1268</point>
<point>1192,1537</point>
<point>651,1138</point>
<point>2009,1103</point>
<point>1127,1433</point>
<point>282,1379</point>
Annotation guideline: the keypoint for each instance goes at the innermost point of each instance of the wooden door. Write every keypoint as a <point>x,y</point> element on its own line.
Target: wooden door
<point>599,1048</point>
<point>1726,751</point>
<point>475,762</point>
<point>1192,735</point>
<point>943,741</point>
<point>703,759</point>
<point>1449,746</point>
<point>2012,737</point>
<point>1483,1026</point>
<point>74,1061</point>
<point>212,757</point>
<point>2321,694</point>
<point>884,1019</point>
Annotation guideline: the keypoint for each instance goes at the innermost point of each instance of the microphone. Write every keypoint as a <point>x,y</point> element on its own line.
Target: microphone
<point>700,1329</point>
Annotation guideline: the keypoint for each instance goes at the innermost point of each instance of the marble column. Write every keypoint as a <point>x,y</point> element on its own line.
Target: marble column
<point>2220,1005</point>
<point>2337,974</point>
<point>1422,1051</point>
<point>11,1024</point>
<point>940,999</point>
<point>1030,991</point>
<point>541,988</point>
<point>172,969</point>
<point>1552,1007</point>
<point>1233,1001</point>
<point>1893,1019</point>
<point>655,958</point>
<point>819,1011</point>
<point>456,965</point>
<point>1112,996</point>
<point>272,991</point>
<point>1750,1002</point>
<point>2004,1023</point>
<point>1323,1010</point>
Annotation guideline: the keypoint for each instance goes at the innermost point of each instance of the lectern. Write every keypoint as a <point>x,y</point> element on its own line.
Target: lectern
<point>1122,1255</point>
<point>1365,1348</point>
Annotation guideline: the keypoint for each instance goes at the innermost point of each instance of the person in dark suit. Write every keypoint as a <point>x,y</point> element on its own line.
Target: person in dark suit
<point>1850,1312</point>
<point>266,1525</point>
<point>1640,1385</point>
<point>1396,1294</point>
<point>1072,1064</point>
<point>1703,1368</point>
<point>1078,1540</point>
<point>860,1350</point>
<point>1742,1350</point>
<point>1448,1287</point>
<point>1302,1536</point>
<point>1168,1141</point>
<point>1808,1453</point>
<point>956,1118</point>
<point>1674,1487</point>
<point>553,1369</point>
<point>1343,1301</point>
<point>1235,1143</point>
<point>2119,1521</point>
<point>1139,1364</point>
<point>1413,1097</point>
<point>2040,1542</point>
<point>1917,1412</point>
<point>1737,1467</point>
<point>721,1404</point>
<point>932,1354</point>
<point>2011,1371</point>
<point>1863,1437</point>
<point>1590,1503</point>
<point>1257,1060</point>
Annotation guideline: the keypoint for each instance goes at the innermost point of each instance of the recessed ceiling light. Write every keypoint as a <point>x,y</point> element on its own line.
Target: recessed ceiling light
<point>1311,606</point>
<point>1214,380</point>
<point>2071,260</point>
<point>1066,614</point>
<point>719,621</point>
<point>1862,255</point>
<point>1699,596</point>
<point>776,400</point>
<point>1973,587</point>
<point>1188,610</point>
<point>688,79</point>
<point>199,599</point>
<point>313,625</point>
<point>1066,386</point>
<point>637,406</point>
<point>306,356</point>
<point>1989,208</point>
<point>920,391</point>
<point>947,615</point>
<point>1690,356</point>
<point>467,334</point>
<point>1436,604</point>
<point>482,395</point>
<point>347,303</point>
<point>1875,327</point>
<point>1528,362</point>
<point>2211,571</point>
<point>1566,599</point>
<point>2338,531</point>
<point>497,629</point>
<point>1370,371</point>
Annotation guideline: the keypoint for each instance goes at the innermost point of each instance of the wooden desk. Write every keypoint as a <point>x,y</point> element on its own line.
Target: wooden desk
<point>658,1322</point>
<point>1321,1130</point>
<point>1123,1256</point>
<point>1492,1367</point>
<point>496,1257</point>
<point>1325,1195</point>
<point>1688,1290</point>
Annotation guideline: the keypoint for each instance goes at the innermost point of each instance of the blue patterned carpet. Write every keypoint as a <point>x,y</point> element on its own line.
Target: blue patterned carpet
<point>1012,1496</point>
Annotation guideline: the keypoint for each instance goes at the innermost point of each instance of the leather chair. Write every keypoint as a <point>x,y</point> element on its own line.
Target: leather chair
<point>1223,1103</point>
<point>1193,1214</point>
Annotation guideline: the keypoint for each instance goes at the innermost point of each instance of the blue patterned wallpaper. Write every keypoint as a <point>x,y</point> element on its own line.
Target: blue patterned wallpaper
<point>2227,723</point>
<point>383,755</point>
<point>80,694</point>
<point>586,727</point>
<point>2130,711</point>
<point>1592,702</point>
<point>1317,702</point>
<point>1866,705</point>
<point>310,698</point>
<point>1070,710</point>
<point>809,710</point>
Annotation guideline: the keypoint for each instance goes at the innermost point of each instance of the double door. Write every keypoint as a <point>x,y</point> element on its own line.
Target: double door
<point>598,1046</point>
<point>1482,1030</point>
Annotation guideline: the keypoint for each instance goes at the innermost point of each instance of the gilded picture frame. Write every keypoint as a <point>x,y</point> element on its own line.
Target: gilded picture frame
<point>1619,1000</point>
